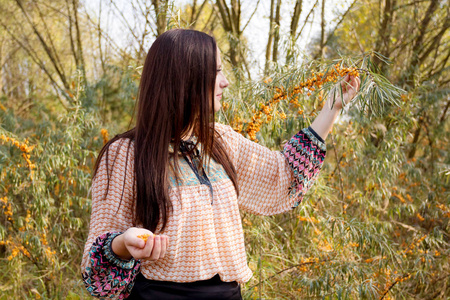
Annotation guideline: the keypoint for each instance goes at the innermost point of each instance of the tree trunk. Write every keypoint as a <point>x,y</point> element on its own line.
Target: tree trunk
<point>270,38</point>
<point>330,35</point>
<point>161,8</point>
<point>322,31</point>
<point>418,43</point>
<point>231,19</point>
<point>293,29</point>
<point>384,32</point>
<point>51,56</point>
<point>82,65</point>
<point>276,37</point>
<point>295,18</point>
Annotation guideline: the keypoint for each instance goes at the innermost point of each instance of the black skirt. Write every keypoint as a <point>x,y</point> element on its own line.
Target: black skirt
<point>213,288</point>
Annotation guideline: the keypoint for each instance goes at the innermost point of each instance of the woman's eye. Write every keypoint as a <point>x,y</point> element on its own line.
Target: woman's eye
<point>219,70</point>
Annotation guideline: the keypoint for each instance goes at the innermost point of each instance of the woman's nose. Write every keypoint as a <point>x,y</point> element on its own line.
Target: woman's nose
<point>224,82</point>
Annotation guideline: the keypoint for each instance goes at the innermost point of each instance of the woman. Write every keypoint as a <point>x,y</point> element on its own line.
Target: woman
<point>181,179</point>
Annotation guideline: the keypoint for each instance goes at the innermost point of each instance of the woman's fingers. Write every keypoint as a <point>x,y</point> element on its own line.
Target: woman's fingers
<point>356,82</point>
<point>149,246</point>
<point>164,243</point>
<point>154,248</point>
<point>344,83</point>
<point>352,87</point>
<point>349,86</point>
<point>156,251</point>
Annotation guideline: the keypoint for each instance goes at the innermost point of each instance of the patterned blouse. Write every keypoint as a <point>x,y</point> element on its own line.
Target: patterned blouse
<point>204,226</point>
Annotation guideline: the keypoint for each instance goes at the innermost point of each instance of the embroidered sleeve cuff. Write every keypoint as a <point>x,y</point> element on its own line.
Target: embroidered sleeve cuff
<point>315,134</point>
<point>305,154</point>
<point>108,276</point>
<point>112,257</point>
<point>314,138</point>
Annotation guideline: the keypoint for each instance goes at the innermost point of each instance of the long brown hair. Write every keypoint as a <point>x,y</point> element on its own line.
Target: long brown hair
<point>176,97</point>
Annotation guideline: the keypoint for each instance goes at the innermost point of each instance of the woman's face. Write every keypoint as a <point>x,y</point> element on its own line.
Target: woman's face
<point>221,83</point>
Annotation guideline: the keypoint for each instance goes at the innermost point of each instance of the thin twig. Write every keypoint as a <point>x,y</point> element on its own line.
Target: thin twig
<point>290,268</point>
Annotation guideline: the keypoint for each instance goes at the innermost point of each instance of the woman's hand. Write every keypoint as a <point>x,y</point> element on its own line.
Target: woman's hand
<point>324,122</point>
<point>128,245</point>
<point>350,86</point>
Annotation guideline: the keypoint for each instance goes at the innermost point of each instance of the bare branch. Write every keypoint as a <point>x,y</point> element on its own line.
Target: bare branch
<point>251,16</point>
<point>306,20</point>
<point>200,10</point>
<point>45,46</point>
<point>82,65</point>
<point>276,36</point>
<point>35,58</point>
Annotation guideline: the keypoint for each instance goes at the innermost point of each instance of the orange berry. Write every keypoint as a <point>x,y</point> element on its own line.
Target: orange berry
<point>144,237</point>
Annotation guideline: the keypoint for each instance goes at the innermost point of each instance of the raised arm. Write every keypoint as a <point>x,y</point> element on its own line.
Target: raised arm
<point>272,182</point>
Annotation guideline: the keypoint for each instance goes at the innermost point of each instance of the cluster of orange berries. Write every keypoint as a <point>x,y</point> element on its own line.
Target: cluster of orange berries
<point>398,279</point>
<point>49,253</point>
<point>310,220</point>
<point>7,210</point>
<point>413,245</point>
<point>307,261</point>
<point>247,222</point>
<point>15,249</point>
<point>403,278</point>
<point>369,260</point>
<point>317,80</point>
<point>304,262</point>
<point>401,198</point>
<point>445,209</point>
<point>26,221</point>
<point>383,271</point>
<point>419,216</point>
<point>144,237</point>
<point>105,135</point>
<point>390,284</point>
<point>324,245</point>
<point>24,147</point>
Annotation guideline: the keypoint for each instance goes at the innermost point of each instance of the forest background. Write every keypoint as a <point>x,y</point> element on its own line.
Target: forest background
<point>374,226</point>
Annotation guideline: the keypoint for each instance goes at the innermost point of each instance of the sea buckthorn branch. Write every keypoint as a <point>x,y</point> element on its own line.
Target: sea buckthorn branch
<point>308,219</point>
<point>19,247</point>
<point>16,249</point>
<point>341,183</point>
<point>370,260</point>
<point>26,222</point>
<point>374,90</point>
<point>105,135</point>
<point>413,245</point>
<point>7,209</point>
<point>22,146</point>
<point>315,82</point>
<point>305,262</point>
<point>397,280</point>
<point>444,209</point>
<point>49,253</point>
<point>390,284</point>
